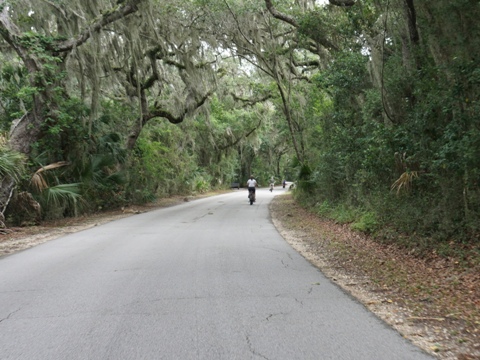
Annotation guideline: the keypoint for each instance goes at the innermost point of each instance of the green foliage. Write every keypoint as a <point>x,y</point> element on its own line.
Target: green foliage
<point>418,135</point>
<point>63,130</point>
<point>12,163</point>
<point>341,213</point>
<point>162,164</point>
<point>367,223</point>
<point>39,45</point>
<point>56,198</point>
<point>60,200</point>
<point>305,181</point>
<point>101,180</point>
<point>15,93</point>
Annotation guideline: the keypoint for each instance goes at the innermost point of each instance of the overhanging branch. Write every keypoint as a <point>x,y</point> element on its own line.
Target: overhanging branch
<point>251,102</point>
<point>345,3</point>
<point>247,134</point>
<point>123,10</point>
<point>158,112</point>
<point>278,15</point>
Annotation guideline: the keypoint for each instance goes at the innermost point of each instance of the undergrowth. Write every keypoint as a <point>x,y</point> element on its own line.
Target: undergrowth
<point>381,229</point>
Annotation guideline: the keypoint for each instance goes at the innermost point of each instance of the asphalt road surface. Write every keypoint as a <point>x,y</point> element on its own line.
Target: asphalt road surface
<point>208,279</point>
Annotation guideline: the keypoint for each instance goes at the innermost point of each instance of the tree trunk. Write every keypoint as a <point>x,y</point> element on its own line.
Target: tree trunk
<point>7,185</point>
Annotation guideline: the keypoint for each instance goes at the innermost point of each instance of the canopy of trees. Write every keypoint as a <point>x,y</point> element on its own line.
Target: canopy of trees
<point>371,106</point>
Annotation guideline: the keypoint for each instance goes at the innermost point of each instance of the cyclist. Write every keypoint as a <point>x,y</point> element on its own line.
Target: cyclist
<point>251,185</point>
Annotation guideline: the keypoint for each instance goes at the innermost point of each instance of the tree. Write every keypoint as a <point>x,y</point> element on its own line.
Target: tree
<point>72,49</point>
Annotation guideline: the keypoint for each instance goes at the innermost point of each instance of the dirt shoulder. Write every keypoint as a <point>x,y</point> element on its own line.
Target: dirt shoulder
<point>21,238</point>
<point>433,302</point>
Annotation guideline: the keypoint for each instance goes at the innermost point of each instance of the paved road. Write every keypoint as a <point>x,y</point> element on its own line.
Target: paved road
<point>208,279</point>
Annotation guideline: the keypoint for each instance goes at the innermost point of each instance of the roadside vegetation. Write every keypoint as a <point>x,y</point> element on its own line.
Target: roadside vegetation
<point>431,299</point>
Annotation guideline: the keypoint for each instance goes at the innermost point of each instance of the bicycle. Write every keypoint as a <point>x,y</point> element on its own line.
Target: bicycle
<point>251,196</point>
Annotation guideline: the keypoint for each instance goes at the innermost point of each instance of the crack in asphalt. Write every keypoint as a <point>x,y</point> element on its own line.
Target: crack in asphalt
<point>252,349</point>
<point>19,291</point>
<point>209,212</point>
<point>299,301</point>
<point>9,315</point>
<point>280,313</point>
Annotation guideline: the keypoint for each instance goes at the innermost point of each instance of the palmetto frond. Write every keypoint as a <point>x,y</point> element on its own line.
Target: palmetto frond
<point>11,162</point>
<point>52,196</point>
<point>63,195</point>
<point>58,194</point>
<point>404,182</point>
<point>38,180</point>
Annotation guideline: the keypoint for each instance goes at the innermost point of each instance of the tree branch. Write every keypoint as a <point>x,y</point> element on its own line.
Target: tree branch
<point>247,134</point>
<point>278,15</point>
<point>251,102</point>
<point>345,3</point>
<point>290,20</point>
<point>109,17</point>
<point>172,118</point>
<point>10,32</point>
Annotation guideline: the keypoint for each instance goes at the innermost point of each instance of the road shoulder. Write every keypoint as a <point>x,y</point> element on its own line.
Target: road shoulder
<point>375,274</point>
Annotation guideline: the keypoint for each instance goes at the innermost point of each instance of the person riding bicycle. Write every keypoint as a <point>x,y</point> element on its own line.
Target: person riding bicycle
<point>251,185</point>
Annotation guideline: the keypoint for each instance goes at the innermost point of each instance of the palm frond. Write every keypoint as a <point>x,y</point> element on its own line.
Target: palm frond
<point>118,178</point>
<point>59,195</point>
<point>404,182</point>
<point>53,166</point>
<point>12,163</point>
<point>38,181</point>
